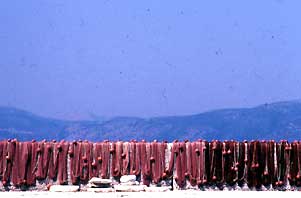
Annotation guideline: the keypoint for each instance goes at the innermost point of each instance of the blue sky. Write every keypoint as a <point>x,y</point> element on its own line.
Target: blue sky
<point>70,59</point>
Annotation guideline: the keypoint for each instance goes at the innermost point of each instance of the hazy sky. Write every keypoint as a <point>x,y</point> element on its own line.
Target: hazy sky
<point>69,59</point>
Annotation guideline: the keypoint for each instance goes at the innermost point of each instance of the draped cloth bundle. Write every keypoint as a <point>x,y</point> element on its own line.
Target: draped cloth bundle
<point>197,163</point>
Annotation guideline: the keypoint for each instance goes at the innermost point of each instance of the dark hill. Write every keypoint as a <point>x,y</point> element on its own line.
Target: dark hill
<point>277,121</point>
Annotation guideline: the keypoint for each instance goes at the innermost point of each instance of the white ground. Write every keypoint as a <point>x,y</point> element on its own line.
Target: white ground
<point>172,194</point>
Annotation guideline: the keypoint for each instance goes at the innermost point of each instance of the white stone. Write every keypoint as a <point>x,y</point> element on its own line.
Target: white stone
<point>126,188</point>
<point>128,178</point>
<point>64,188</point>
<point>97,180</point>
<point>132,183</point>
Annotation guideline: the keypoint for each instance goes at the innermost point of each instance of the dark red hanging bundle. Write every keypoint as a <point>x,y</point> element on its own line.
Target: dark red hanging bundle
<point>105,159</point>
<point>281,164</point>
<point>224,153</point>
<point>95,163</point>
<point>125,158</point>
<point>63,148</point>
<point>2,157</point>
<point>90,158</point>
<point>253,163</point>
<point>20,163</point>
<point>43,152</point>
<point>173,157</point>
<point>85,161</point>
<point>298,177</point>
<point>250,162</point>
<point>206,161</point>
<point>202,159</point>
<point>242,163</point>
<point>162,159</point>
<point>31,167</point>
<point>169,171</point>
<point>272,161</point>
<point>154,161</point>
<point>287,156</point>
<point>116,151</point>
<point>260,166</point>
<point>74,154</point>
<point>293,163</point>
<point>114,159</point>
<point>53,159</point>
<point>264,163</point>
<point>298,164</point>
<point>157,161</point>
<point>216,160</point>
<point>191,164</point>
<point>236,158</point>
<point>227,161</point>
<point>135,158</point>
<point>25,164</point>
<point>16,166</point>
<point>100,160</point>
<point>196,163</point>
<point>179,155</point>
<point>145,162</point>
<point>230,162</point>
<point>8,152</point>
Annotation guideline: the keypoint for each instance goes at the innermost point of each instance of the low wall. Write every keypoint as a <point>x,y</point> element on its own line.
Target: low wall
<point>181,165</point>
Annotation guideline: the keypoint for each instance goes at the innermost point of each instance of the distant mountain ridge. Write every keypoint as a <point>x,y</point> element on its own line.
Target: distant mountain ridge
<point>281,120</point>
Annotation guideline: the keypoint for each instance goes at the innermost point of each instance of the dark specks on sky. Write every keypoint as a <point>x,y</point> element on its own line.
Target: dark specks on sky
<point>70,60</point>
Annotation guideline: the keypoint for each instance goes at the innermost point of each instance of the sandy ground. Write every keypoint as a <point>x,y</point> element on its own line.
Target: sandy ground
<point>172,194</point>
